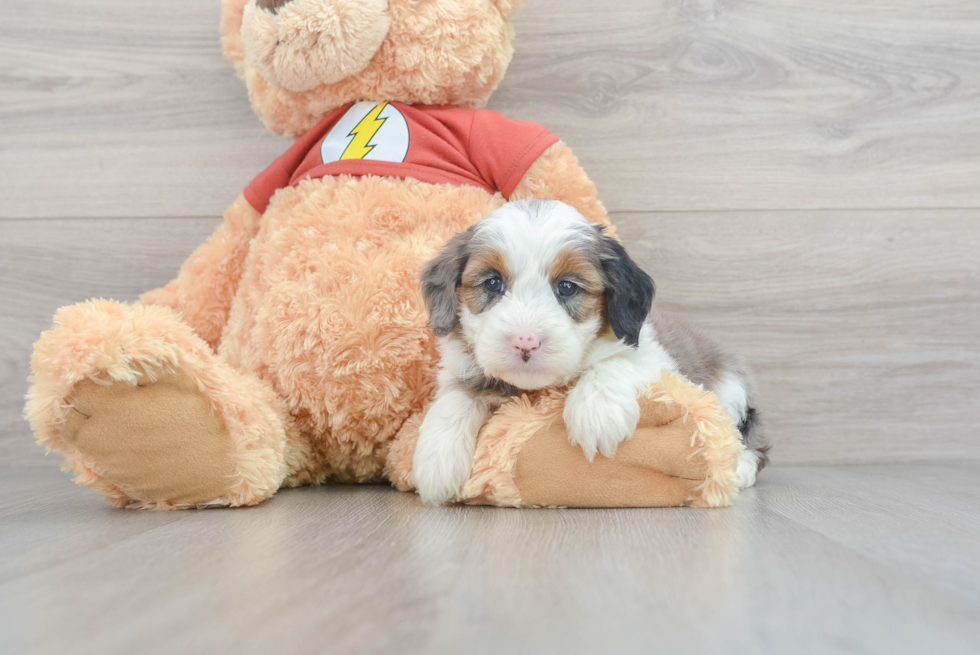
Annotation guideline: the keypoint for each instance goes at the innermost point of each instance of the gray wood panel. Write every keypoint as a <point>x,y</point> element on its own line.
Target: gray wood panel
<point>862,559</point>
<point>122,109</point>
<point>862,325</point>
<point>765,104</point>
<point>128,109</point>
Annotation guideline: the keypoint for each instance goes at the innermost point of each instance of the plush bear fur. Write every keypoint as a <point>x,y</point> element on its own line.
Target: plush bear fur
<point>292,347</point>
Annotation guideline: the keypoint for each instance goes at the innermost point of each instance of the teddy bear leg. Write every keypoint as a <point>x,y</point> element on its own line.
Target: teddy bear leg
<point>147,415</point>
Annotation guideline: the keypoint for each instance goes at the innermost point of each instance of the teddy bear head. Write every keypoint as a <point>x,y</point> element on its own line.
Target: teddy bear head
<point>301,59</point>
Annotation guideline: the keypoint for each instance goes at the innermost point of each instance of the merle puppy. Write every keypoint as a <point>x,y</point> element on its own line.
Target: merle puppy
<point>533,296</point>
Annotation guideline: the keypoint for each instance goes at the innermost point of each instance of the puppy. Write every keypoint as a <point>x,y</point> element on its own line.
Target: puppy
<point>534,296</point>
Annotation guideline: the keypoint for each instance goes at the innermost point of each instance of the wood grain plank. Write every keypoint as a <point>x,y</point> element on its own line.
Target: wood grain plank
<point>128,109</point>
<point>367,569</point>
<point>862,325</point>
<point>761,104</point>
<point>757,578</point>
<point>868,509</point>
<point>123,109</point>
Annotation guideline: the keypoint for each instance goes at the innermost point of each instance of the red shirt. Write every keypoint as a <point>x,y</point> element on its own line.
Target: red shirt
<point>437,144</point>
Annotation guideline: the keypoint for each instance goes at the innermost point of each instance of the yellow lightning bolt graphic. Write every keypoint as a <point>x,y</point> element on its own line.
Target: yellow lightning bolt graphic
<point>363,132</point>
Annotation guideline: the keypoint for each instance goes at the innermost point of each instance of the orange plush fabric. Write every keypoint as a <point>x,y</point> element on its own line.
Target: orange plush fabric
<point>292,346</point>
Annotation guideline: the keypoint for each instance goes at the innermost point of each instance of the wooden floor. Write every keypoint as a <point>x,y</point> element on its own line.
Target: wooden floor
<point>801,178</point>
<point>861,559</point>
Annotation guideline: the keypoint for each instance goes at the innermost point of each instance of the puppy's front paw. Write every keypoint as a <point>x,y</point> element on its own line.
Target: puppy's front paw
<point>599,417</point>
<point>440,467</point>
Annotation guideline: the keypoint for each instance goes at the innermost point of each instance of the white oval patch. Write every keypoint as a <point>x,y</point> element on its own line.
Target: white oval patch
<point>368,130</point>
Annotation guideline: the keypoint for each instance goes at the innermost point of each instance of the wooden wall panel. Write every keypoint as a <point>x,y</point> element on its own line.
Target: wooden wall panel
<point>128,109</point>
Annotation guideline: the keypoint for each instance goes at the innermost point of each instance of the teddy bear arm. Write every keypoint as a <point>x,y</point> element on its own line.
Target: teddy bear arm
<point>557,175</point>
<point>206,284</point>
<point>685,451</point>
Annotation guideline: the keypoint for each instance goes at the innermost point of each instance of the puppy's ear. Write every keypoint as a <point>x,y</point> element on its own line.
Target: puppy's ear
<point>628,291</point>
<point>440,278</point>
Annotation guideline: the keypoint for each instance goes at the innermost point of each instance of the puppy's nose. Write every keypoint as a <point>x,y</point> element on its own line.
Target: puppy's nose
<point>525,341</point>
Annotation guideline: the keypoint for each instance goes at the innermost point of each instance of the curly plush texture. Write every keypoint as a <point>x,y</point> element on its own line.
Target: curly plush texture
<point>713,436</point>
<point>110,342</point>
<point>306,43</point>
<point>330,312</point>
<point>206,284</point>
<point>433,53</point>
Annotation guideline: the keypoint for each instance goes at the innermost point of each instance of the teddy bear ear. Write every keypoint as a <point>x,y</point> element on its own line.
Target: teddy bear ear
<point>301,44</point>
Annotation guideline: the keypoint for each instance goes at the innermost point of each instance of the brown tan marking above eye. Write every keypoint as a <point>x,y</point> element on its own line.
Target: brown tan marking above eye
<point>472,297</point>
<point>475,290</point>
<point>573,266</point>
<point>480,263</point>
<point>585,300</point>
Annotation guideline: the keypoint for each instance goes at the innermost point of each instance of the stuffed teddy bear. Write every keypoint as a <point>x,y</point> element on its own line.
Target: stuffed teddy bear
<point>292,347</point>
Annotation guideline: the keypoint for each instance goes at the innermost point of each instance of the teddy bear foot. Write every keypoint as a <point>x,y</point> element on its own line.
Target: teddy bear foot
<point>146,415</point>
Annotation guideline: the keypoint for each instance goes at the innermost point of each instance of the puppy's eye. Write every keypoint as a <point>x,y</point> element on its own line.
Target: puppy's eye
<point>494,285</point>
<point>566,289</point>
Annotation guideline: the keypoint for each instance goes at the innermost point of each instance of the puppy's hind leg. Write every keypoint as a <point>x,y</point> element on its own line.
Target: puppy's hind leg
<point>736,393</point>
